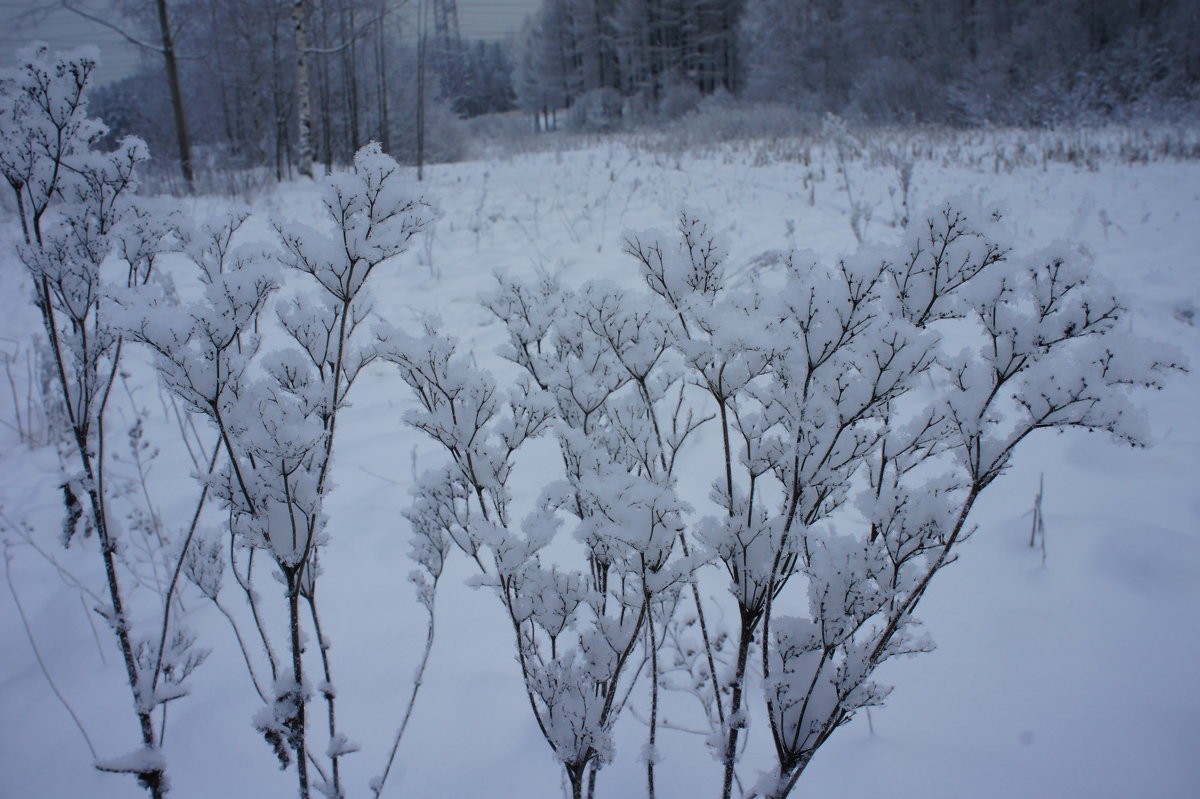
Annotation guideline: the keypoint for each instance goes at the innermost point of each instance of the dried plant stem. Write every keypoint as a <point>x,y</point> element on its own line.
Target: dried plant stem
<point>179,561</point>
<point>330,696</point>
<point>258,689</point>
<point>651,754</point>
<point>418,680</point>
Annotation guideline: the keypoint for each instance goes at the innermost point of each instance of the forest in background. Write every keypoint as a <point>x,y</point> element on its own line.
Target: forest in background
<point>381,71</point>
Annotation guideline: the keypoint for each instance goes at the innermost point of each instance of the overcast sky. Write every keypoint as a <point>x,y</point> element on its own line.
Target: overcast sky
<point>478,19</point>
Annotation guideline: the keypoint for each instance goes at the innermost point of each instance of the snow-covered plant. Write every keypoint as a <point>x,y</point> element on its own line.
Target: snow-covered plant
<point>846,149</point>
<point>864,407</point>
<point>84,240</point>
<point>275,413</point>
<point>598,377</point>
<point>430,548</point>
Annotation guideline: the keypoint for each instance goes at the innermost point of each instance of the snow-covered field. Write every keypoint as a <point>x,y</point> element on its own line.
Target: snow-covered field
<point>1072,677</point>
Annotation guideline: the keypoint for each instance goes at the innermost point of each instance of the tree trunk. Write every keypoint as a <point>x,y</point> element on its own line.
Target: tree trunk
<point>421,106</point>
<point>181,131</point>
<point>303,101</point>
<point>324,93</point>
<point>346,23</point>
<point>385,138</point>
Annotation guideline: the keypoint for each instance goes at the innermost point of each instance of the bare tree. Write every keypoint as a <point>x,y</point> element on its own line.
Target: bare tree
<point>165,48</point>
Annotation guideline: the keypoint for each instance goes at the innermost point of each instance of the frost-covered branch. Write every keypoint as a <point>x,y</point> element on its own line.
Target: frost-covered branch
<point>841,467</point>
<point>276,413</point>
<point>76,210</point>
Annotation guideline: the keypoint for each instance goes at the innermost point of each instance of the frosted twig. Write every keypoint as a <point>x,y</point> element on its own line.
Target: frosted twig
<point>187,542</point>
<point>418,678</point>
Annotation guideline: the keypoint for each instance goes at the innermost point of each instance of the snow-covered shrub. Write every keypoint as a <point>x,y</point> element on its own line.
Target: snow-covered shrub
<point>720,118</point>
<point>274,414</point>
<point>679,97</point>
<point>85,239</point>
<point>447,137</point>
<point>596,111</point>
<point>597,379</point>
<point>864,407</point>
<point>848,149</point>
<point>861,408</point>
<point>496,136</point>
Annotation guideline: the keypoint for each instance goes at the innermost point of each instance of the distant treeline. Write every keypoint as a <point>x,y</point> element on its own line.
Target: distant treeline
<point>1012,62</point>
<point>605,64</point>
<point>946,61</point>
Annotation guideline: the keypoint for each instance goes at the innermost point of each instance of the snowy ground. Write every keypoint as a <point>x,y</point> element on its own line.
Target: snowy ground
<point>1072,678</point>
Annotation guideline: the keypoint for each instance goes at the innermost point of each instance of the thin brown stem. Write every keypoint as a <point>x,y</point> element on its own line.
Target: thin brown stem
<point>187,542</point>
<point>296,723</point>
<point>651,753</point>
<point>746,636</point>
<point>377,788</point>
<point>330,697</point>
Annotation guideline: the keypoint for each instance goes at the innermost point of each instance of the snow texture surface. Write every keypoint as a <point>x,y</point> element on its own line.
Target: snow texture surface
<point>1075,676</point>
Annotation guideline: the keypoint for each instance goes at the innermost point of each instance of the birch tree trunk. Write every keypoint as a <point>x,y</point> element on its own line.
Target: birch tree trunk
<point>303,101</point>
